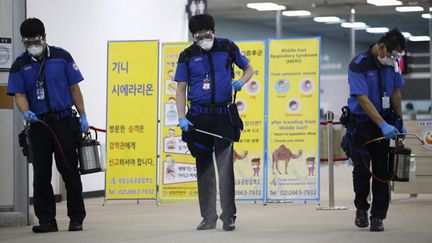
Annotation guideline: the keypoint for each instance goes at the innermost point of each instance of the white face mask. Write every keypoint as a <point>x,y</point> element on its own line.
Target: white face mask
<point>206,44</point>
<point>386,61</point>
<point>35,50</point>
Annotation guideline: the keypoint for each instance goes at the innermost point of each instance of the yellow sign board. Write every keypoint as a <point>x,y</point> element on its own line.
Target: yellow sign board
<point>177,170</point>
<point>132,107</point>
<point>249,151</point>
<point>293,119</point>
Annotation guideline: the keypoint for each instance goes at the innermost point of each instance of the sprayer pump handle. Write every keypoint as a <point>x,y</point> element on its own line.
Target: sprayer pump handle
<point>87,135</point>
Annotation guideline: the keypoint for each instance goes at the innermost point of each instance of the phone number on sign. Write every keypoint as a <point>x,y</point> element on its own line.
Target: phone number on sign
<point>248,192</point>
<point>297,192</point>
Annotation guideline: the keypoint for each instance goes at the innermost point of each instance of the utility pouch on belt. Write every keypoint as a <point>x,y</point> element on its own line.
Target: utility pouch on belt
<point>346,144</point>
<point>186,137</point>
<point>24,142</point>
<point>235,120</point>
<point>346,116</point>
<point>195,146</point>
<point>345,120</point>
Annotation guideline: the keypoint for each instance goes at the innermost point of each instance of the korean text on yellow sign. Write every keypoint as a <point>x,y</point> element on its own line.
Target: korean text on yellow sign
<point>132,106</point>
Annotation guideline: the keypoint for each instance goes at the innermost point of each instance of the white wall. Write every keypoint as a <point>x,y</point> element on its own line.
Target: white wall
<point>334,92</point>
<point>6,117</point>
<point>6,159</point>
<point>83,27</point>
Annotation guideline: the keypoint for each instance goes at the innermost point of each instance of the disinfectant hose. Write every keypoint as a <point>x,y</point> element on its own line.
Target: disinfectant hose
<point>60,147</point>
<point>398,143</point>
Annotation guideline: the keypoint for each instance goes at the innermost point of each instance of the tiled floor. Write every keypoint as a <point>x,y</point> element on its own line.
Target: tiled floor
<point>409,221</point>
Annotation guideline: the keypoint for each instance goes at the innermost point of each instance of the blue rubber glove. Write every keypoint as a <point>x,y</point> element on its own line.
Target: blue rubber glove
<point>31,117</point>
<point>184,124</point>
<point>84,123</point>
<point>388,131</point>
<point>237,84</point>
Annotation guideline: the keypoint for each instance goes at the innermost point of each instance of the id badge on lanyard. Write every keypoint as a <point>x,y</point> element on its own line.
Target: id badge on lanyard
<point>385,101</point>
<point>40,91</point>
<point>206,83</point>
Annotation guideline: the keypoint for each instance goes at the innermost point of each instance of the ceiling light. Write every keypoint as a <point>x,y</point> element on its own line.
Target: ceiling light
<point>426,16</point>
<point>267,6</point>
<point>409,9</point>
<point>328,19</point>
<point>384,2</point>
<point>406,34</point>
<point>419,38</point>
<point>355,25</point>
<point>338,22</point>
<point>296,13</point>
<point>377,30</point>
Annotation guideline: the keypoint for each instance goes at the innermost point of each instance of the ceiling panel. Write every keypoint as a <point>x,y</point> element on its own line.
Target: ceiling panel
<point>372,15</point>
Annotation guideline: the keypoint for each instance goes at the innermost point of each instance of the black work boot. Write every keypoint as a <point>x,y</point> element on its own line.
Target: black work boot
<point>361,219</point>
<point>45,228</point>
<point>229,224</point>
<point>376,224</point>
<point>206,224</point>
<point>75,226</point>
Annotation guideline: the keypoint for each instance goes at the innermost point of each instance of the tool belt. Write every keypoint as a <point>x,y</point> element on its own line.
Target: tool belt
<point>56,116</point>
<point>355,124</point>
<point>210,109</point>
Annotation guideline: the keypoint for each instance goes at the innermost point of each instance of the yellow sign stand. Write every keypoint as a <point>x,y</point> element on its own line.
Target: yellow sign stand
<point>293,119</point>
<point>132,108</point>
<point>177,171</point>
<point>248,152</point>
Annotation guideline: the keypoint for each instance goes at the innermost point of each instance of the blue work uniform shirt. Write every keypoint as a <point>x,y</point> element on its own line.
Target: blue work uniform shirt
<point>364,80</point>
<point>61,72</point>
<point>211,65</point>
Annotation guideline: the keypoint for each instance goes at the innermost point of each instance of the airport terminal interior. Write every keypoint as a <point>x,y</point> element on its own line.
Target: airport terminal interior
<point>293,178</point>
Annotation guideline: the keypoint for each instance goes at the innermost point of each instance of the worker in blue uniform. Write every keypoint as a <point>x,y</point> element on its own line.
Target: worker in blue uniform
<point>44,80</point>
<point>204,76</point>
<point>375,106</point>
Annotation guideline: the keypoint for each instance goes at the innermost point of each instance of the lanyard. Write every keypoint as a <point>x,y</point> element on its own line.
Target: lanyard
<point>41,81</point>
<point>381,89</point>
<point>206,68</point>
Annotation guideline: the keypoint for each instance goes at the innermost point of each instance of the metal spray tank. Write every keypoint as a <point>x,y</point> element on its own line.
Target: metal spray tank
<point>402,160</point>
<point>88,151</point>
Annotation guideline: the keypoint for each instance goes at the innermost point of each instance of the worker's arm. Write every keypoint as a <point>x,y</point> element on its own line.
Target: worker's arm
<point>22,102</point>
<point>396,102</point>
<point>77,98</point>
<point>248,72</point>
<point>181,98</point>
<point>369,108</point>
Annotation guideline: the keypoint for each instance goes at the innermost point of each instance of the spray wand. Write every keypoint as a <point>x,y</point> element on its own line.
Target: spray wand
<point>212,134</point>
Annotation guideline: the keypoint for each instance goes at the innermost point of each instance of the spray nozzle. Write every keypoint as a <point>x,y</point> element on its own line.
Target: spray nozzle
<point>410,134</point>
